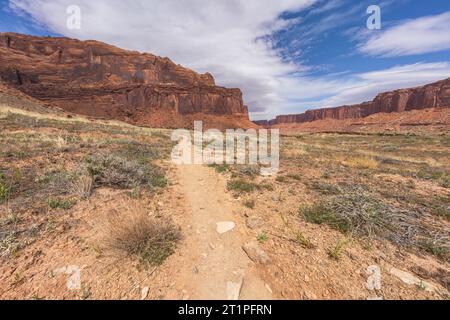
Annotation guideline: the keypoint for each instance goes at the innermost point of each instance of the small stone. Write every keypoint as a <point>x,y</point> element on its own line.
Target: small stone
<point>256,254</point>
<point>306,278</point>
<point>212,246</point>
<point>254,222</point>
<point>234,289</point>
<point>268,288</point>
<point>144,293</point>
<point>310,295</point>
<point>225,226</point>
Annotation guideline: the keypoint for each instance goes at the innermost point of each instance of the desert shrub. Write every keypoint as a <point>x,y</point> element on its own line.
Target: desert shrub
<point>280,179</point>
<point>140,152</point>
<point>56,203</point>
<point>323,214</point>
<point>362,163</point>
<point>220,168</point>
<point>325,188</point>
<point>241,185</point>
<point>8,244</point>
<point>262,237</point>
<point>82,186</point>
<point>444,181</point>
<point>56,181</point>
<point>248,170</point>
<point>116,172</point>
<point>358,212</point>
<point>441,177</point>
<point>4,188</point>
<point>301,239</point>
<point>435,249</point>
<point>355,210</point>
<point>152,240</point>
<point>337,251</point>
<point>295,177</point>
<point>249,204</point>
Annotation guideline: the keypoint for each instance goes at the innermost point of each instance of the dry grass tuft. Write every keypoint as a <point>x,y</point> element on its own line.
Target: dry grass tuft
<point>117,172</point>
<point>133,232</point>
<point>83,186</point>
<point>361,163</point>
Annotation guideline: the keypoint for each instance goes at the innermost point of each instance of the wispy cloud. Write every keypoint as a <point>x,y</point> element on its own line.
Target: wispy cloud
<point>412,37</point>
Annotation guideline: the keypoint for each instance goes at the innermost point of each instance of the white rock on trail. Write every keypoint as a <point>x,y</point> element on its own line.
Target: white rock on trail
<point>225,226</point>
<point>144,293</point>
<point>234,289</point>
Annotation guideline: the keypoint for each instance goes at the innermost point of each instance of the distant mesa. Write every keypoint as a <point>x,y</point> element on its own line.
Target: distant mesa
<point>435,95</point>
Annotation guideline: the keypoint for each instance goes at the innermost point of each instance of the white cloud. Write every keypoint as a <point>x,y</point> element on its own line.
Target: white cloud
<point>418,36</point>
<point>216,36</point>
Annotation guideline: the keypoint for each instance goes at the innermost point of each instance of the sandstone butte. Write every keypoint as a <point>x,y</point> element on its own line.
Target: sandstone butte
<point>435,95</point>
<point>99,80</point>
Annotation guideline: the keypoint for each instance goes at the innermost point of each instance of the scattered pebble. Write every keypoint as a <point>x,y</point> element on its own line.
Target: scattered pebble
<point>254,222</point>
<point>144,293</point>
<point>234,289</point>
<point>256,254</point>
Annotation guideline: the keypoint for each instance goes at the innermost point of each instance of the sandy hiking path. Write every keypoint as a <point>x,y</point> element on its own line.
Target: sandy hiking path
<point>214,264</point>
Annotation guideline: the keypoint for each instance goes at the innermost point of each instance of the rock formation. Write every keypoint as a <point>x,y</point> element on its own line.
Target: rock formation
<point>435,95</point>
<point>100,80</point>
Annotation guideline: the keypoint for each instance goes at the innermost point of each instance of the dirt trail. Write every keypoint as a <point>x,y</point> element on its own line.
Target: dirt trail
<point>214,264</point>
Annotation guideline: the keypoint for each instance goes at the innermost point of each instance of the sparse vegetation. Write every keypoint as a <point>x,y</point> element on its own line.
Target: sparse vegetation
<point>337,251</point>
<point>57,203</point>
<point>263,237</point>
<point>280,179</point>
<point>220,168</point>
<point>241,185</point>
<point>83,186</point>
<point>376,188</point>
<point>135,233</point>
<point>248,170</point>
<point>4,188</point>
<point>116,172</point>
<point>301,239</point>
<point>249,204</point>
<point>361,163</point>
<point>354,211</point>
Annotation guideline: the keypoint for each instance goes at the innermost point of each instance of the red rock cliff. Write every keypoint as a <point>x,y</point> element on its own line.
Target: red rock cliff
<point>96,79</point>
<point>434,95</point>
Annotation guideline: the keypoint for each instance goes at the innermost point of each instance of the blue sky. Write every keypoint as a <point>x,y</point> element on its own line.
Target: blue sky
<point>287,56</point>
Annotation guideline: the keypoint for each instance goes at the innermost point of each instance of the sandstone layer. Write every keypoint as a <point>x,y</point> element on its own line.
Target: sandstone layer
<point>435,95</point>
<point>103,81</point>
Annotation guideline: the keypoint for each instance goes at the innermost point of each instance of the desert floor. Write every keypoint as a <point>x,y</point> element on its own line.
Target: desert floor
<point>105,199</point>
